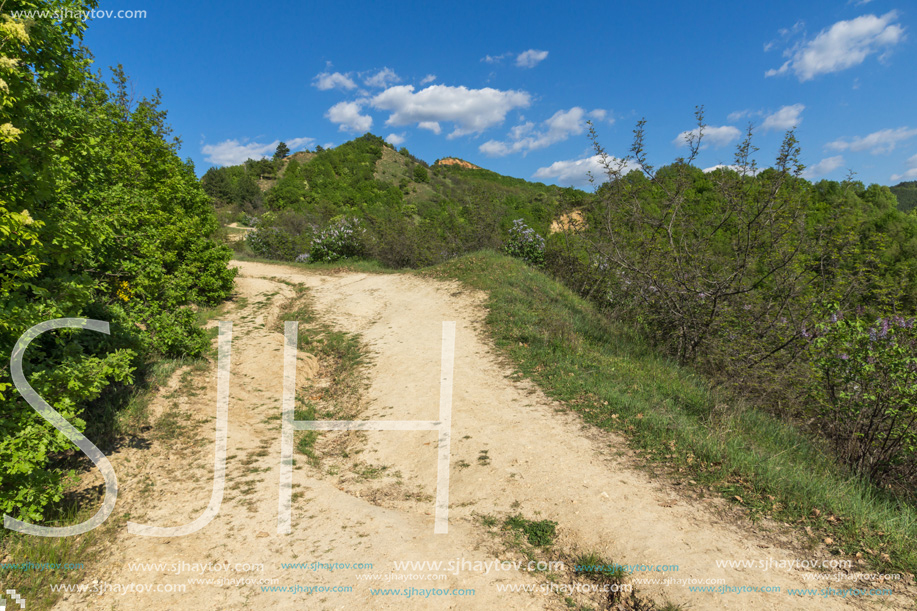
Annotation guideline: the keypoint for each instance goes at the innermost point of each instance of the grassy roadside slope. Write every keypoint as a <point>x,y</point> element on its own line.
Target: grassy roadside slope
<point>676,421</point>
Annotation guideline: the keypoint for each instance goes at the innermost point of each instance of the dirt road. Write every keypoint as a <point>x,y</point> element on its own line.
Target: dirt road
<point>512,452</point>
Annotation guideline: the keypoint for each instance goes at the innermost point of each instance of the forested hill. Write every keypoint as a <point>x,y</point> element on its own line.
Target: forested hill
<point>366,199</point>
<point>906,192</point>
<point>417,213</point>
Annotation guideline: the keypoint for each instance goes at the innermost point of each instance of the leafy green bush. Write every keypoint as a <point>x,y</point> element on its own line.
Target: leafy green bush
<point>274,243</point>
<point>177,333</point>
<point>525,244</point>
<point>397,242</point>
<point>868,408</point>
<point>99,218</point>
<point>280,235</point>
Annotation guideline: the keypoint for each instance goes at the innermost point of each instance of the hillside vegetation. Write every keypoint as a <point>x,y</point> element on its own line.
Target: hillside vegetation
<point>99,219</point>
<point>680,423</point>
<point>749,333</point>
<point>391,206</point>
<point>906,192</point>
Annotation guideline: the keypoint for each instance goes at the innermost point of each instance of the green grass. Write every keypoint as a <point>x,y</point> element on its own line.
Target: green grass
<point>540,533</point>
<point>594,567</point>
<point>305,440</point>
<point>35,585</point>
<point>171,425</point>
<point>673,418</point>
<point>342,356</point>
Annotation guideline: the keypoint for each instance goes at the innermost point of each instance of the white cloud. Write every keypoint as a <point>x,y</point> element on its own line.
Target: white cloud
<point>382,79</point>
<point>428,79</point>
<point>525,137</point>
<point>910,173</point>
<point>233,152</point>
<point>882,141</point>
<point>471,110</point>
<point>786,118</point>
<point>526,59</point>
<point>347,116</point>
<point>530,58</point>
<point>576,171</point>
<point>785,35</point>
<point>844,45</point>
<point>740,114</point>
<point>495,59</point>
<point>733,167</point>
<point>717,136</point>
<point>433,126</point>
<point>495,148</point>
<point>825,166</point>
<point>333,80</point>
<point>395,139</point>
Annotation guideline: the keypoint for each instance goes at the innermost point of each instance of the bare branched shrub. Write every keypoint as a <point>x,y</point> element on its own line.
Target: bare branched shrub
<point>724,268</point>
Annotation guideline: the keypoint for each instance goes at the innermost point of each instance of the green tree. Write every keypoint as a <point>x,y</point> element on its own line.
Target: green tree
<point>289,192</point>
<point>282,151</point>
<point>421,174</point>
<point>218,185</point>
<point>99,218</point>
<point>247,192</point>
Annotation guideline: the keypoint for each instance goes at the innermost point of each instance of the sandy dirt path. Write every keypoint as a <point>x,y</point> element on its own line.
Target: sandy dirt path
<point>374,505</point>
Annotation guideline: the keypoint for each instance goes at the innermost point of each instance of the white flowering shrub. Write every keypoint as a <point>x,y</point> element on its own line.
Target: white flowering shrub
<point>344,238</point>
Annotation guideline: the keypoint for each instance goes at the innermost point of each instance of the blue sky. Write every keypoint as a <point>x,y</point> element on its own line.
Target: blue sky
<point>510,86</point>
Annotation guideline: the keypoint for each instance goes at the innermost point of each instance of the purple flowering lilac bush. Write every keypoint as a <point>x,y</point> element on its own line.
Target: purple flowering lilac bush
<point>524,243</point>
<point>866,398</point>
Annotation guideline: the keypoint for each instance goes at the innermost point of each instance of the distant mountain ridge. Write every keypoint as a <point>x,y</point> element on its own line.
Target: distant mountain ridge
<point>368,170</point>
